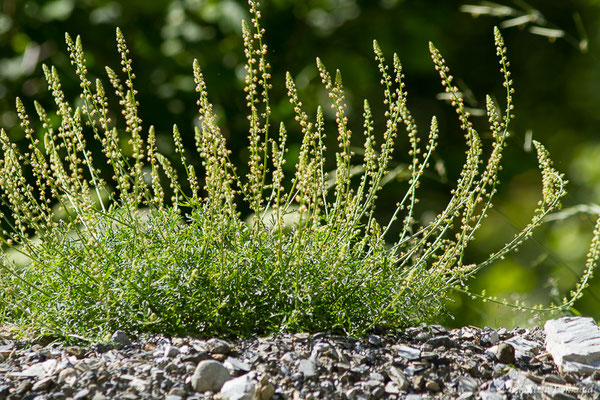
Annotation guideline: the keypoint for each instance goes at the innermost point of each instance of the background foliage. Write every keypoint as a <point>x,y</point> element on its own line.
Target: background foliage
<point>557,96</point>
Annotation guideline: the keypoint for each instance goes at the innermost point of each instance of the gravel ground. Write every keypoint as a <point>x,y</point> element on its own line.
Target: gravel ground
<point>417,363</point>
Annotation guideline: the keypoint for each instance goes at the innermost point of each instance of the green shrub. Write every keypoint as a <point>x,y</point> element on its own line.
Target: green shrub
<point>120,254</point>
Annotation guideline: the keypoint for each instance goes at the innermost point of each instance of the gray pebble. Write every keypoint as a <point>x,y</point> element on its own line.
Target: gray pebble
<point>505,353</point>
<point>120,338</point>
<point>82,394</point>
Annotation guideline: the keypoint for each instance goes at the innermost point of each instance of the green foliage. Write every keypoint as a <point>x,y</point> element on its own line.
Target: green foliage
<point>124,255</point>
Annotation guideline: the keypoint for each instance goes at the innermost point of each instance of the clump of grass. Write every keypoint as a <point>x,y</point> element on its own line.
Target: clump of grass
<point>126,256</point>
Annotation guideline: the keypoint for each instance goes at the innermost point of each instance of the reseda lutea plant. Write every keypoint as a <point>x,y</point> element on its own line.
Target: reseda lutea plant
<point>123,255</point>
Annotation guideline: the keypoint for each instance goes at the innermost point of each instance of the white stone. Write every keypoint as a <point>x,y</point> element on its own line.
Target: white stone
<point>485,395</point>
<point>210,376</point>
<point>391,388</point>
<point>40,370</point>
<point>140,385</point>
<point>68,376</point>
<point>519,383</point>
<point>574,343</point>
<point>308,368</point>
<point>242,388</point>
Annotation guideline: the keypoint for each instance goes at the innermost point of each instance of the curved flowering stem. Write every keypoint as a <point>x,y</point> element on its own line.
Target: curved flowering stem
<point>133,121</point>
<point>257,91</point>
<point>210,144</point>
<point>94,105</point>
<point>553,190</point>
<point>344,155</point>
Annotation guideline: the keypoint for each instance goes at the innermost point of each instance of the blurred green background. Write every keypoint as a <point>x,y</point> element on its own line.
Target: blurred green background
<point>553,48</point>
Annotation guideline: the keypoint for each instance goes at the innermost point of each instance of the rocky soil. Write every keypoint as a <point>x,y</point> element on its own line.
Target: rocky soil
<point>418,363</point>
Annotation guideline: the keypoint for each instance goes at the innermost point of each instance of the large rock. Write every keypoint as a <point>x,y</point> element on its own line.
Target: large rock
<point>247,387</point>
<point>574,343</point>
<point>210,376</point>
<point>242,388</point>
